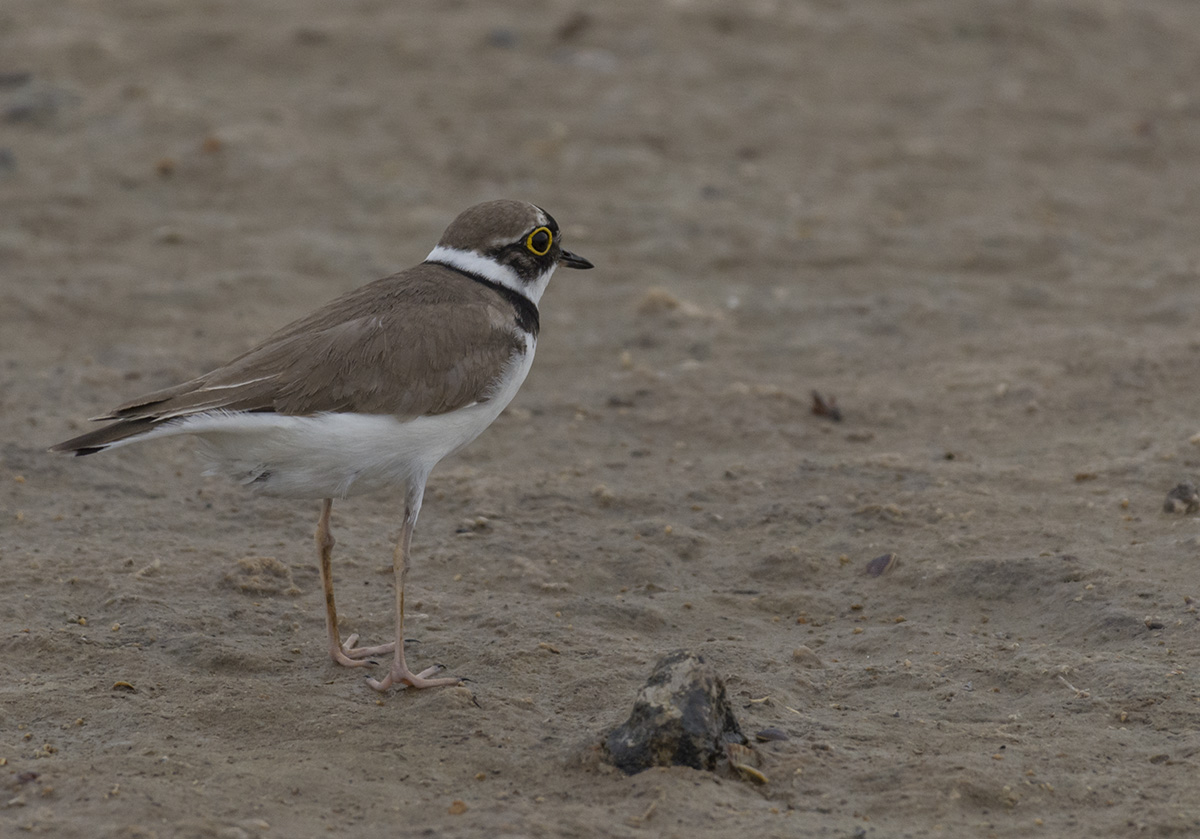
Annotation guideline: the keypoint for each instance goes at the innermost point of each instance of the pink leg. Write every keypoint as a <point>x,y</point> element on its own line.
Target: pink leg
<point>400,674</point>
<point>345,654</point>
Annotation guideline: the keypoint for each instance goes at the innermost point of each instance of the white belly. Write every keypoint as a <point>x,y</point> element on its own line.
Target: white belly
<point>337,455</point>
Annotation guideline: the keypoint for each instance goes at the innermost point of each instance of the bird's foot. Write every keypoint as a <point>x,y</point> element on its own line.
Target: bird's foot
<point>365,652</point>
<point>401,675</point>
<point>348,655</point>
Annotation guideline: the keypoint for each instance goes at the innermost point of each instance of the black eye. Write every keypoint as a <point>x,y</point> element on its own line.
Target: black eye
<point>539,241</point>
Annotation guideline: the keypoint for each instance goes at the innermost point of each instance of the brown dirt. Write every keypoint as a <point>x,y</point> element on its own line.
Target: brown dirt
<point>974,224</point>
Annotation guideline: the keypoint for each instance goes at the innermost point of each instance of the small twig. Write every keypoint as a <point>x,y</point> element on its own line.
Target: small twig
<point>1079,694</point>
<point>823,407</point>
<point>644,817</point>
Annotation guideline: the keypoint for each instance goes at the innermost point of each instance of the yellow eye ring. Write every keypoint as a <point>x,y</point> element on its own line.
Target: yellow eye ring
<point>540,241</point>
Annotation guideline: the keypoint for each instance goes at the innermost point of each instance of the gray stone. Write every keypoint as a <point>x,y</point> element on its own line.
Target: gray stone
<point>1182,499</point>
<point>680,718</point>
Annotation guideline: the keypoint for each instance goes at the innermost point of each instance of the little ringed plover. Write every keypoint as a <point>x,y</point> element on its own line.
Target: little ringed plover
<point>371,390</point>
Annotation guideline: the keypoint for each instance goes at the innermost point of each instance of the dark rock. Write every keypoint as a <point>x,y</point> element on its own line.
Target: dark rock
<point>680,718</point>
<point>1182,499</point>
<point>34,102</point>
<point>881,565</point>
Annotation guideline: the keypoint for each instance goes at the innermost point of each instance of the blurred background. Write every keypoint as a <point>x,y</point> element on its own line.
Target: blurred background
<point>972,224</point>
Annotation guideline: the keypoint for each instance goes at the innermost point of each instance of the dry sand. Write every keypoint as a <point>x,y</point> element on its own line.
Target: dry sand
<point>974,224</point>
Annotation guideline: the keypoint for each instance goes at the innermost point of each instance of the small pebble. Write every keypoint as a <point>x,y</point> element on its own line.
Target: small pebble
<point>805,657</point>
<point>881,565</point>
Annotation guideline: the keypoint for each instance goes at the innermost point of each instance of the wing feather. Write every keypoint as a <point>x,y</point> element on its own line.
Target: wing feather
<point>421,342</point>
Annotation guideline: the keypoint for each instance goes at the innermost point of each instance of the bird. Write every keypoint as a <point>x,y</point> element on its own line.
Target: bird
<point>370,391</point>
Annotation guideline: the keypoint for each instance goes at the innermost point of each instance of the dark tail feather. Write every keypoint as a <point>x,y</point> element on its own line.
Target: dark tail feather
<point>102,438</point>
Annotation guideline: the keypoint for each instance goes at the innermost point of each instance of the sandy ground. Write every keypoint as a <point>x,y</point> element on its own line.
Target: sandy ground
<point>974,224</point>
